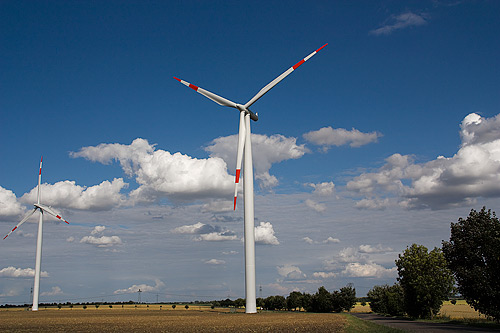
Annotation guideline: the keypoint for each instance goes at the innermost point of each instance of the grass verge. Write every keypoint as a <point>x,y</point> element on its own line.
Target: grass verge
<point>359,325</point>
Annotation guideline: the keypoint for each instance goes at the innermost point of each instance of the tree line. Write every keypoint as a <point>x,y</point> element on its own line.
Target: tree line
<point>468,264</point>
<point>322,301</point>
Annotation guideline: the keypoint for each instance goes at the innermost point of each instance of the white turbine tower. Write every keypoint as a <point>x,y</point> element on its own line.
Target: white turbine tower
<point>38,261</point>
<point>245,143</point>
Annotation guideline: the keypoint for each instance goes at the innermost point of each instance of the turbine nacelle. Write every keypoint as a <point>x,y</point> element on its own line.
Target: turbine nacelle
<point>253,116</point>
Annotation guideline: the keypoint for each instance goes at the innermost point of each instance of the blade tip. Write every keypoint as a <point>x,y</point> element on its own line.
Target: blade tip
<point>177,79</point>
<point>321,47</point>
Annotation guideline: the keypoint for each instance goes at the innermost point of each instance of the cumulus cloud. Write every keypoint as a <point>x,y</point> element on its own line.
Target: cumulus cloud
<point>102,241</point>
<point>67,194</point>
<point>368,270</point>
<point>206,232</point>
<point>326,241</point>
<point>143,287</point>
<point>264,234</point>
<point>328,137</point>
<point>9,205</point>
<point>374,249</point>
<point>322,189</point>
<point>161,174</point>
<point>13,272</point>
<point>290,272</point>
<point>215,262</point>
<point>53,292</point>
<point>318,207</point>
<point>98,229</point>
<point>356,262</point>
<point>473,172</point>
<point>267,150</point>
<point>401,21</point>
<point>324,275</point>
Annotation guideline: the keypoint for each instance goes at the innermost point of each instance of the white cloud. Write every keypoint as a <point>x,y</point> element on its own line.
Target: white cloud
<point>98,229</point>
<point>290,272</point>
<point>318,207</point>
<point>143,287</point>
<point>374,249</point>
<point>217,236</point>
<point>356,262</point>
<point>53,292</point>
<point>401,21</point>
<point>328,137</point>
<point>326,241</point>
<point>368,270</point>
<point>161,174</point>
<point>473,172</point>
<point>215,262</point>
<point>264,234</point>
<point>323,189</point>
<point>331,240</point>
<point>324,275</point>
<point>67,194</point>
<point>13,272</point>
<point>206,232</point>
<point>373,203</point>
<point>70,239</point>
<point>308,240</point>
<point>267,150</point>
<point>9,206</point>
<point>103,241</point>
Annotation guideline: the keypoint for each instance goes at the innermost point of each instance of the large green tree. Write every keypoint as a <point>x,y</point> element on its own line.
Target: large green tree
<point>426,280</point>
<point>473,254</point>
<point>387,299</point>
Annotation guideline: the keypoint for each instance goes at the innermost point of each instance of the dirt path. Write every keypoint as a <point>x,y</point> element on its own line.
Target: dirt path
<point>415,326</point>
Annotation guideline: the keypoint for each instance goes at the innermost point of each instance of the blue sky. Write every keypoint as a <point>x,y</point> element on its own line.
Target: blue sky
<point>379,141</point>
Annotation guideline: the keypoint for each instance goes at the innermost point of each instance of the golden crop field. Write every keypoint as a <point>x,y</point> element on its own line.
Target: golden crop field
<point>153,319</point>
<point>461,310</point>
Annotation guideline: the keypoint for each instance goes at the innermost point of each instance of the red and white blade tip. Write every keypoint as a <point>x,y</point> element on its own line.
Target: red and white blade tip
<point>60,218</point>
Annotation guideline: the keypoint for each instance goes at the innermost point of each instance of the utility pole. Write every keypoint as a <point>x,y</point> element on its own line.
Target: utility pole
<point>139,296</point>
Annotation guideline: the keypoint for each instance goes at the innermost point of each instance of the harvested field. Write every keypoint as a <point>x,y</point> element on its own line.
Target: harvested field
<point>143,320</point>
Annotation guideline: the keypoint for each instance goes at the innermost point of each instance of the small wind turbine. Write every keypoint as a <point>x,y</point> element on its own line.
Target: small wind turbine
<point>38,261</point>
<point>245,143</point>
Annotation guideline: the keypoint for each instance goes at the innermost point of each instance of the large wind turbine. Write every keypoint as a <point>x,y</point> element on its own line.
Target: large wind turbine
<point>38,261</point>
<point>245,144</point>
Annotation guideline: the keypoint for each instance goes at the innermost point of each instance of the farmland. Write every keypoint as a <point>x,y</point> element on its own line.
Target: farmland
<point>152,319</point>
<point>158,318</point>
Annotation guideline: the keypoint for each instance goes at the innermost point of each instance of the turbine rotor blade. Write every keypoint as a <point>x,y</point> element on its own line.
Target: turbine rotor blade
<point>277,80</point>
<point>49,210</point>
<point>25,218</point>
<point>239,154</point>
<point>39,181</point>
<point>210,95</point>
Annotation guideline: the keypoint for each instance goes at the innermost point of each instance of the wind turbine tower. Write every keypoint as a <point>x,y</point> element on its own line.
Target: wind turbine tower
<point>245,146</point>
<point>38,257</point>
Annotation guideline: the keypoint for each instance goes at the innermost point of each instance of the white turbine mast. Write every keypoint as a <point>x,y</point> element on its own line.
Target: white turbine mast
<point>38,261</point>
<point>245,146</point>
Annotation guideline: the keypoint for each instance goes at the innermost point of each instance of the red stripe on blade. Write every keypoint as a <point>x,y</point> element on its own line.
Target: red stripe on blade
<point>237,179</point>
<point>192,86</point>
<point>298,64</point>
<point>58,217</point>
<point>14,229</point>
<point>177,79</point>
<point>6,236</point>
<point>321,47</point>
<point>234,203</point>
